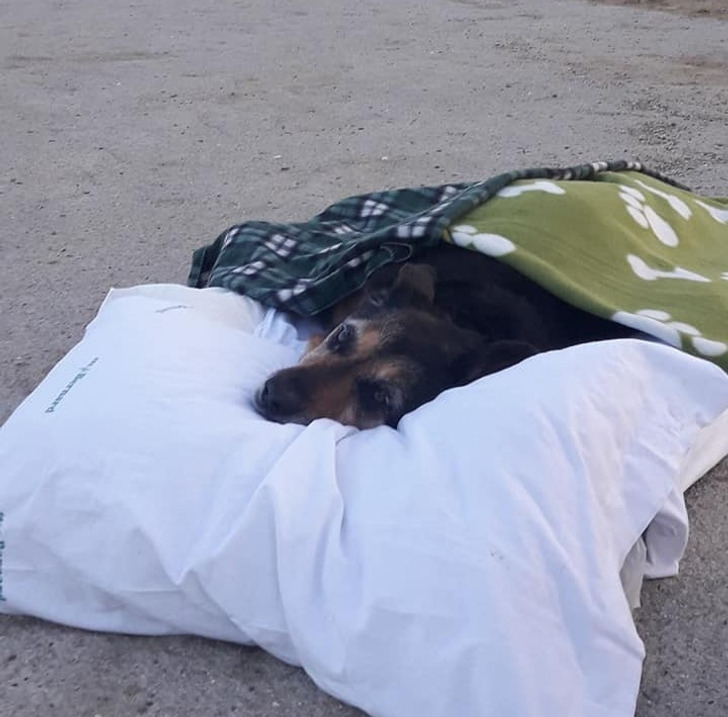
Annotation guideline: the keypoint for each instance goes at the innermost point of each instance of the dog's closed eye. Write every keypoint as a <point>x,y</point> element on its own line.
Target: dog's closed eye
<point>378,299</point>
<point>342,339</point>
<point>376,397</point>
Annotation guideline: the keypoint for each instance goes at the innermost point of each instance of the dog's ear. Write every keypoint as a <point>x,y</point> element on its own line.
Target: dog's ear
<point>393,287</point>
<point>489,358</point>
<point>414,286</point>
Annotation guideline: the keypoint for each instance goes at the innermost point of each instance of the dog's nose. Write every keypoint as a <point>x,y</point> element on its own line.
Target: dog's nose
<point>278,398</point>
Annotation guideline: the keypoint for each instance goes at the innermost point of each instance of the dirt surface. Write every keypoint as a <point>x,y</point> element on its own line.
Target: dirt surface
<point>134,133</point>
<point>704,8</point>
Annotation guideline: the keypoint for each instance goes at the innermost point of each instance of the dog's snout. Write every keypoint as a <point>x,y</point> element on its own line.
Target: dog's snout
<point>279,398</point>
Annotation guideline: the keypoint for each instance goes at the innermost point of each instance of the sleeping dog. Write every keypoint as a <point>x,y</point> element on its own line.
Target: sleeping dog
<point>417,329</point>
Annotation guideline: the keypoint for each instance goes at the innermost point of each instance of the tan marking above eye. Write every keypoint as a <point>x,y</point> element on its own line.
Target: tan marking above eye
<point>314,341</point>
<point>365,342</point>
<point>368,340</point>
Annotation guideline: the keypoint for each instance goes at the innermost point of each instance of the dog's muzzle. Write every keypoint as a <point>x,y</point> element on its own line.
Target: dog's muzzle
<point>279,399</point>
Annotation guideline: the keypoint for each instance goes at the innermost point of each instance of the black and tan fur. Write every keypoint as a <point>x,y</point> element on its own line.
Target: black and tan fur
<point>418,329</point>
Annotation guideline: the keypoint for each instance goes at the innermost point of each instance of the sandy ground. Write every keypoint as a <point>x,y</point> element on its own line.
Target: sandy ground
<point>696,8</point>
<point>133,133</point>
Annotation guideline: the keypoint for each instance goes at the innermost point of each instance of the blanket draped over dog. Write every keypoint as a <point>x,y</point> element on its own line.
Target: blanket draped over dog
<point>612,238</point>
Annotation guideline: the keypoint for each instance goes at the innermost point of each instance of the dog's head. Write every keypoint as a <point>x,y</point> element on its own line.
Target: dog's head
<point>393,353</point>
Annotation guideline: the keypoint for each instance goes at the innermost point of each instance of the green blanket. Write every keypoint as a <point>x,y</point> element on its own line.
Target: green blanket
<point>612,238</point>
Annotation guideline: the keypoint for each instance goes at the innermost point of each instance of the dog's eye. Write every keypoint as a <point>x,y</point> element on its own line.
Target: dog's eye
<point>375,396</point>
<point>341,339</point>
<point>378,299</point>
<point>382,397</point>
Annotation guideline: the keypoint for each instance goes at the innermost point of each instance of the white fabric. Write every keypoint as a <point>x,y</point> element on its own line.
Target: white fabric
<point>465,564</point>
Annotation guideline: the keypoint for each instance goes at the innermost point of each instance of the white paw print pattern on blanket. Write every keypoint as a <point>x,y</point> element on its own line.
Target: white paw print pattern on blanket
<point>661,252</point>
<point>648,218</point>
<point>720,215</point>
<point>658,323</point>
<point>496,245</point>
<point>538,185</point>
<point>469,237</point>
<point>646,272</point>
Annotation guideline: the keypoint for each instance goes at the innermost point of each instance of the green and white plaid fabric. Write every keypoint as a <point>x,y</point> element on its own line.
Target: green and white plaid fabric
<point>309,266</point>
<point>614,238</point>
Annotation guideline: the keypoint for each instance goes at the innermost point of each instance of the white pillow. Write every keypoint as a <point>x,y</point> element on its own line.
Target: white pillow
<point>465,564</point>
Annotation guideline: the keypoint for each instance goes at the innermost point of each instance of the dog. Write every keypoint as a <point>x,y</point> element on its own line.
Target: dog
<point>416,329</point>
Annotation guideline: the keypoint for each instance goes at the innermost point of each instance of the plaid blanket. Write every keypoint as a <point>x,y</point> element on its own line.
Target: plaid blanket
<point>614,238</point>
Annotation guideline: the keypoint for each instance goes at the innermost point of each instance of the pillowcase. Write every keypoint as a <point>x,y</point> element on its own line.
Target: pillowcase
<point>466,563</point>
